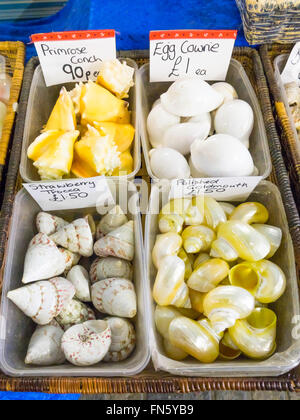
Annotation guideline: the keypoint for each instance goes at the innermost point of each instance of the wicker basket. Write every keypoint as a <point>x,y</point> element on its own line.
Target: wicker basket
<point>150,381</point>
<point>289,141</point>
<point>15,54</point>
<point>270,20</point>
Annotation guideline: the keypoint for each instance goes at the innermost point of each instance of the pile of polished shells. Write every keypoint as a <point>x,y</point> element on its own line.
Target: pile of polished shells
<point>201,131</point>
<point>59,292</point>
<point>215,281</point>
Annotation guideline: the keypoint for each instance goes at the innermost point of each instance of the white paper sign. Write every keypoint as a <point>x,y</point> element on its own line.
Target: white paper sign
<point>291,72</point>
<point>71,194</point>
<point>179,54</point>
<point>73,56</point>
<point>221,189</point>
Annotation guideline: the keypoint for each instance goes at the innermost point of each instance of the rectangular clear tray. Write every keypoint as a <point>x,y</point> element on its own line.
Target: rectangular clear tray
<point>287,355</point>
<point>16,329</point>
<point>40,104</point>
<point>238,78</point>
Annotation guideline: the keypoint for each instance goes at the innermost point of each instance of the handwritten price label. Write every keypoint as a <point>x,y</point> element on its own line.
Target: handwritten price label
<point>291,72</point>
<point>222,189</point>
<point>178,54</point>
<point>73,56</point>
<point>71,194</point>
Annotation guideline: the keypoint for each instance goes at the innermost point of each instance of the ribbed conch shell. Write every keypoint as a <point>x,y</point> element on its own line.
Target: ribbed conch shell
<point>208,275</point>
<point>48,223</point>
<point>123,339</point>
<point>197,239</point>
<point>214,213</point>
<point>74,313</point>
<point>114,219</point>
<point>224,305</point>
<point>201,258</point>
<point>250,212</point>
<point>237,239</point>
<point>105,268</point>
<point>43,260</point>
<point>228,350</point>
<point>195,338</point>
<point>44,300</point>
<point>87,344</point>
<point>263,279</point>
<point>118,243</point>
<point>273,235</point>
<point>186,258</point>
<point>166,244</point>
<point>256,335</point>
<point>115,297</point>
<point>71,258</point>
<point>79,277</point>
<point>172,215</point>
<point>45,346</point>
<point>169,287</point>
<point>77,236</point>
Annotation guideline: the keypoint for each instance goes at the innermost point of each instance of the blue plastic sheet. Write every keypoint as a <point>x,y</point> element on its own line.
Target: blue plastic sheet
<point>132,20</point>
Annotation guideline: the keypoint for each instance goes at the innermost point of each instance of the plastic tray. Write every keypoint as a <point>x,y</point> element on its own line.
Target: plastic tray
<point>40,104</point>
<point>236,76</point>
<point>279,64</point>
<point>287,356</point>
<point>16,329</point>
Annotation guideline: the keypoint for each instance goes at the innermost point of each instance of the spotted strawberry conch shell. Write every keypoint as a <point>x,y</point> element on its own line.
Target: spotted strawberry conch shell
<point>71,258</point>
<point>114,219</point>
<point>123,339</point>
<point>45,346</point>
<point>79,277</point>
<point>77,236</point>
<point>43,301</point>
<point>43,260</point>
<point>74,313</point>
<point>105,268</point>
<point>118,243</point>
<point>115,297</point>
<point>87,344</point>
<point>48,224</point>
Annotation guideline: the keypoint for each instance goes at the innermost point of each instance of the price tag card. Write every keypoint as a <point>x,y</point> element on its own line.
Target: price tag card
<point>73,56</point>
<point>221,189</point>
<point>291,72</point>
<point>71,194</point>
<point>179,54</point>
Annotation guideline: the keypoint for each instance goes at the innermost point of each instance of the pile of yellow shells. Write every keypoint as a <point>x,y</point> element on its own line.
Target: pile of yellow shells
<point>214,280</point>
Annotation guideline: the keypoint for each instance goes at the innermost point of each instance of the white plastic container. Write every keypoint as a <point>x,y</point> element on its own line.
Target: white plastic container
<point>238,78</point>
<point>287,308</point>
<point>279,64</point>
<point>16,329</point>
<point>40,104</point>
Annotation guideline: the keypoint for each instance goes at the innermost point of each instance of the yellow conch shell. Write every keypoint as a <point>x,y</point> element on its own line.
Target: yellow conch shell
<point>228,350</point>
<point>208,275</point>
<point>239,239</point>
<point>165,245</point>
<point>195,338</point>
<point>224,305</point>
<point>116,77</point>
<point>122,134</point>
<point>126,164</point>
<point>273,235</point>
<point>98,104</point>
<point>188,263</point>
<point>98,153</point>
<point>263,279</point>
<point>256,335</point>
<point>197,238</point>
<point>214,213</point>
<point>53,153</point>
<point>250,212</point>
<point>63,116</point>
<point>169,287</point>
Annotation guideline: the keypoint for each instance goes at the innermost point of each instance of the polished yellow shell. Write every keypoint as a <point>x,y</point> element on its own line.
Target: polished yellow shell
<point>173,352</point>
<point>194,214</point>
<point>208,275</point>
<point>163,316</point>
<point>228,350</point>
<point>250,212</point>
<point>197,300</point>
<point>188,263</point>
<point>197,238</point>
<point>214,213</point>
<point>256,335</point>
<point>166,244</point>
<point>201,258</point>
<point>273,234</point>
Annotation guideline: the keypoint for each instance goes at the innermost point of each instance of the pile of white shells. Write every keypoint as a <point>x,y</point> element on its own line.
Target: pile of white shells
<point>65,300</point>
<point>200,130</point>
